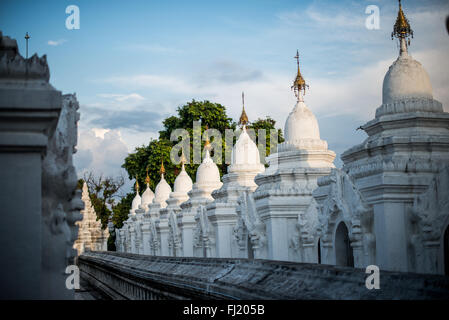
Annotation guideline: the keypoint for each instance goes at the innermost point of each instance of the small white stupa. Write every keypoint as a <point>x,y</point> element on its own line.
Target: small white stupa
<point>161,193</point>
<point>148,195</point>
<point>137,201</point>
<point>183,184</point>
<point>207,180</point>
<point>90,235</point>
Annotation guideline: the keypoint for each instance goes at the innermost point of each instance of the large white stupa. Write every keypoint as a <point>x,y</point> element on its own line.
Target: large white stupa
<point>285,189</point>
<point>407,145</point>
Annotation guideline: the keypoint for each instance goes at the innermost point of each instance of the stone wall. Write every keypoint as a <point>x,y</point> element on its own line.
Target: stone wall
<point>132,276</point>
<point>39,200</point>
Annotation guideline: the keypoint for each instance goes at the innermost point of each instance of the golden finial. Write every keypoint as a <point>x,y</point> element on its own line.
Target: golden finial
<point>162,170</point>
<point>207,145</point>
<point>137,185</point>
<point>402,29</point>
<point>147,179</point>
<point>183,158</point>
<point>299,85</point>
<point>243,117</point>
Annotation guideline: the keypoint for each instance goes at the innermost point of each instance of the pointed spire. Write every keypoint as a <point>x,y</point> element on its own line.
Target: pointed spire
<point>137,186</point>
<point>183,160</point>
<point>162,170</point>
<point>207,145</point>
<point>299,85</point>
<point>243,117</point>
<point>402,30</point>
<point>147,179</point>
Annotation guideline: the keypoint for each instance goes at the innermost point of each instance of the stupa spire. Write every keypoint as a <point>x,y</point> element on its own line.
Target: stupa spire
<point>243,117</point>
<point>402,30</point>
<point>137,186</point>
<point>183,160</point>
<point>162,170</point>
<point>147,179</point>
<point>207,145</point>
<point>299,85</point>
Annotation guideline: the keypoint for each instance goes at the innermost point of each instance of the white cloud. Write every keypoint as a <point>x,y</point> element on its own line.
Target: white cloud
<point>100,151</point>
<point>56,42</point>
<point>122,97</point>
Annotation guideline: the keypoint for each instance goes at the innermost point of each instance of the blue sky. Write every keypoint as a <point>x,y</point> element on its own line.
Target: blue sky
<point>132,63</point>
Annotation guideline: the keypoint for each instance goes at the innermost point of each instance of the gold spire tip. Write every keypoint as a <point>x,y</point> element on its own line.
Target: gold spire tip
<point>299,84</point>
<point>402,27</point>
<point>243,117</point>
<point>183,158</point>
<point>147,179</point>
<point>162,170</point>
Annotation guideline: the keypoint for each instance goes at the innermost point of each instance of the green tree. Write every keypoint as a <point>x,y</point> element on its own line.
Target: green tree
<point>102,193</point>
<point>120,211</point>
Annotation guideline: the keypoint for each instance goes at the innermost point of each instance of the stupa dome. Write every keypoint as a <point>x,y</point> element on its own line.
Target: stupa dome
<point>183,182</point>
<point>301,124</point>
<point>406,79</point>
<point>136,202</point>
<point>245,151</point>
<point>147,197</point>
<point>207,173</point>
<point>162,191</point>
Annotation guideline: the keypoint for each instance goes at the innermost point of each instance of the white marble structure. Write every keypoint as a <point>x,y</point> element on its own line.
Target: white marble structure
<point>90,234</point>
<point>388,204</point>
<point>40,204</point>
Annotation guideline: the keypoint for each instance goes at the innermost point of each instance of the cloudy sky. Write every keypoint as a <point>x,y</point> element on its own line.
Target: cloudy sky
<point>132,63</point>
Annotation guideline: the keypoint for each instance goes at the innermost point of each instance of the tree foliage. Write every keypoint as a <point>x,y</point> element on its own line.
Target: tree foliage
<point>102,193</point>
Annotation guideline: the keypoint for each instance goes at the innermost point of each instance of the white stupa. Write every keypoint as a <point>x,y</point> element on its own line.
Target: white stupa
<point>245,165</point>
<point>408,141</point>
<point>245,157</point>
<point>137,201</point>
<point>148,195</point>
<point>183,184</point>
<point>406,86</point>
<point>285,189</point>
<point>302,136</point>
<point>207,180</point>
<point>161,192</point>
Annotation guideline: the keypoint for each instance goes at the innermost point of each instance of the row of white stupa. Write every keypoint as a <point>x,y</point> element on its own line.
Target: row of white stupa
<point>387,205</point>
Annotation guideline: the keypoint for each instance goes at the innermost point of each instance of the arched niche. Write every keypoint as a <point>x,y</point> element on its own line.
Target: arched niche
<point>343,251</point>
